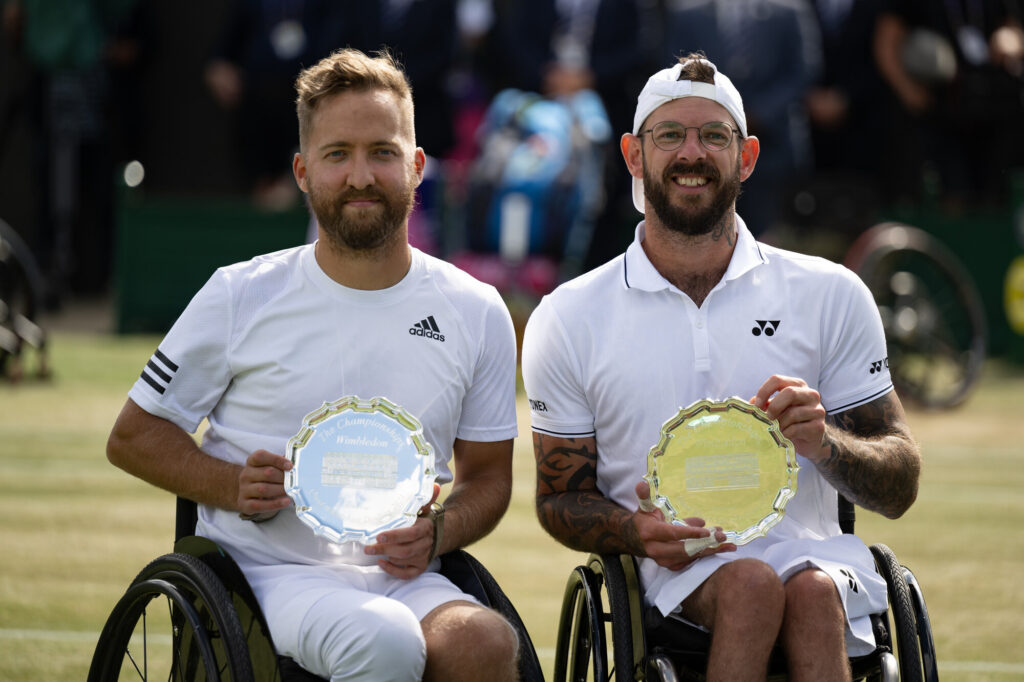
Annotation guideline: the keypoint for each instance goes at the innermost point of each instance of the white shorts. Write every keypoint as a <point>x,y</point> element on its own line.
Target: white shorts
<point>845,558</point>
<point>350,622</point>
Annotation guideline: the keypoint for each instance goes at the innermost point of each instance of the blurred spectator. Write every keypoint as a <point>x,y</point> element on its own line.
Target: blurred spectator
<point>843,196</point>
<point>771,50</point>
<point>78,51</point>
<point>423,35</point>
<point>956,69</point>
<point>262,47</point>
<point>559,47</point>
<point>474,79</point>
<point>843,105</point>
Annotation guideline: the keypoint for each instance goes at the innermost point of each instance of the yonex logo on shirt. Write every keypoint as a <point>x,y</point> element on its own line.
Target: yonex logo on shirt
<point>877,366</point>
<point>851,577</point>
<point>159,371</point>
<point>766,327</point>
<point>427,328</point>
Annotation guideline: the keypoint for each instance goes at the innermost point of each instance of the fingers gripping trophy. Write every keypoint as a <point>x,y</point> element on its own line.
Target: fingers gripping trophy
<point>726,462</point>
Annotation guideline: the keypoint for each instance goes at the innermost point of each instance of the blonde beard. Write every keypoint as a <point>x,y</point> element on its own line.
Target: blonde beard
<point>368,235</point>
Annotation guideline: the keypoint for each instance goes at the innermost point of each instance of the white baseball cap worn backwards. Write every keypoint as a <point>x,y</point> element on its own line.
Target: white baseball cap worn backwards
<point>665,86</point>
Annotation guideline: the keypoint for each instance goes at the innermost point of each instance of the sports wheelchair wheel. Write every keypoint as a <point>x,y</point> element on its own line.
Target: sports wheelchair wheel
<point>924,628</point>
<point>932,313</point>
<point>587,628</point>
<point>175,622</point>
<point>915,648</point>
<point>21,288</point>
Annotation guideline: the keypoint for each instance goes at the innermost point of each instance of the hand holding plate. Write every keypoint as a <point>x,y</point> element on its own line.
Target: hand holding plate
<point>261,486</point>
<point>661,540</point>
<point>798,410</point>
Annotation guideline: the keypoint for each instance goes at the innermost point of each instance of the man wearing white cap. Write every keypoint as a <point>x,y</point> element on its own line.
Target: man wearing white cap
<point>697,309</point>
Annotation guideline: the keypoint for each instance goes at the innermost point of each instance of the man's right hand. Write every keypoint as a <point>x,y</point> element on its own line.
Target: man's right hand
<point>663,541</point>
<point>261,486</point>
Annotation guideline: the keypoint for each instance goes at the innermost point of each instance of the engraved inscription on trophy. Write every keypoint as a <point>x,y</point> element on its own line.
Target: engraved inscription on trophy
<point>722,472</point>
<point>726,462</point>
<point>360,467</point>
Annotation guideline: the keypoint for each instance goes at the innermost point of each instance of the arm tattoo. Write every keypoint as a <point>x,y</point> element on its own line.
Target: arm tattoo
<point>569,505</point>
<point>873,460</point>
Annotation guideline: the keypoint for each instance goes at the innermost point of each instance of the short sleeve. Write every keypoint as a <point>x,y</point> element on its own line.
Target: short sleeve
<point>189,372</point>
<point>489,406</point>
<point>855,367</point>
<point>553,377</point>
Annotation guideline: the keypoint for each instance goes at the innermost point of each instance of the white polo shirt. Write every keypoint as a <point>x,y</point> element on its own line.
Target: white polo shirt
<point>617,351</point>
<point>267,341</point>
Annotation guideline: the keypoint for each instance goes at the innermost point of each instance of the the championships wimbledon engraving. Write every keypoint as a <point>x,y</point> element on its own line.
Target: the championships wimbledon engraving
<point>360,467</point>
<point>726,462</point>
<point>363,470</point>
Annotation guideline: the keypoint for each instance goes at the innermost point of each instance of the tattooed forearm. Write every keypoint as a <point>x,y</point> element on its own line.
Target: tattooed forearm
<point>569,505</point>
<point>588,522</point>
<point>873,461</point>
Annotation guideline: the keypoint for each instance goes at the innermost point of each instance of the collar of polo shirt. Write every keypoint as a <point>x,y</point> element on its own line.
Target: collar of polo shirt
<point>639,273</point>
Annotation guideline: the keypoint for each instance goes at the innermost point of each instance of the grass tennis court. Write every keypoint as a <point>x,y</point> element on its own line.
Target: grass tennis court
<point>75,530</point>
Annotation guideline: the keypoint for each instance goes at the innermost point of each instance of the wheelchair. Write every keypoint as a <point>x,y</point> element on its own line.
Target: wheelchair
<point>21,292</point>
<point>605,631</point>
<point>191,616</point>
<point>933,315</point>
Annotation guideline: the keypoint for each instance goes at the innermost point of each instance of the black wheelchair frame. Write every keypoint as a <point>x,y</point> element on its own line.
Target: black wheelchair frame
<point>21,292</point>
<point>606,632</point>
<point>217,630</point>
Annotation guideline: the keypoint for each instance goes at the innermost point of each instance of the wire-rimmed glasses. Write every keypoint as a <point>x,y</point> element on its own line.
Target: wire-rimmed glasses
<point>670,136</point>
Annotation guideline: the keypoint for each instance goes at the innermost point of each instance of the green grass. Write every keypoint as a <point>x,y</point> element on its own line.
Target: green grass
<point>75,530</point>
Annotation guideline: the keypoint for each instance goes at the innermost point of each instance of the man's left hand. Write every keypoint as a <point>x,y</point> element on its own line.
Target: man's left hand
<point>799,411</point>
<point>405,552</point>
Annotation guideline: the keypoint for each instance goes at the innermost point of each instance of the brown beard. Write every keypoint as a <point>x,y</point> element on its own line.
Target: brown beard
<point>367,232</point>
<point>692,222</point>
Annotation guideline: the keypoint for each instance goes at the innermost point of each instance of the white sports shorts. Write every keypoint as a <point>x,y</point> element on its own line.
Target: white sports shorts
<point>350,622</point>
<point>844,558</point>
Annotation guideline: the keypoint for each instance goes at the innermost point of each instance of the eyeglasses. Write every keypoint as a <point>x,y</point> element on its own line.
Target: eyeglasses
<point>670,136</point>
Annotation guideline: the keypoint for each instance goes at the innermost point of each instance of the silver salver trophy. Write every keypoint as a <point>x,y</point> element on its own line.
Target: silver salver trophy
<point>726,462</point>
<point>359,468</point>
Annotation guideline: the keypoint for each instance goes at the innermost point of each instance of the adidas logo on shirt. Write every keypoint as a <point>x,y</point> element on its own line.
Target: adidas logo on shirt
<point>159,371</point>
<point>427,328</point>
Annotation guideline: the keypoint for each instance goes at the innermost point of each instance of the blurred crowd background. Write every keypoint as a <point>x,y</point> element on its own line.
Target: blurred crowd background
<point>116,112</point>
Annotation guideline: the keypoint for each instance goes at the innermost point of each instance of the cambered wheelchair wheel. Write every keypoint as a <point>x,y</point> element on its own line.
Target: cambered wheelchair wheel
<point>911,627</point>
<point>932,313</point>
<point>21,290</point>
<point>466,572</point>
<point>175,622</point>
<point>601,611</point>
<point>924,628</point>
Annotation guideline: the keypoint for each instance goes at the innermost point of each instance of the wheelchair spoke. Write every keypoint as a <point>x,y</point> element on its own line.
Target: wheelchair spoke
<point>128,651</point>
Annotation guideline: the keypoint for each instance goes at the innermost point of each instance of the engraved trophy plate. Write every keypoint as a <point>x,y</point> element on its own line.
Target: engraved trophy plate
<point>359,468</point>
<point>726,462</point>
